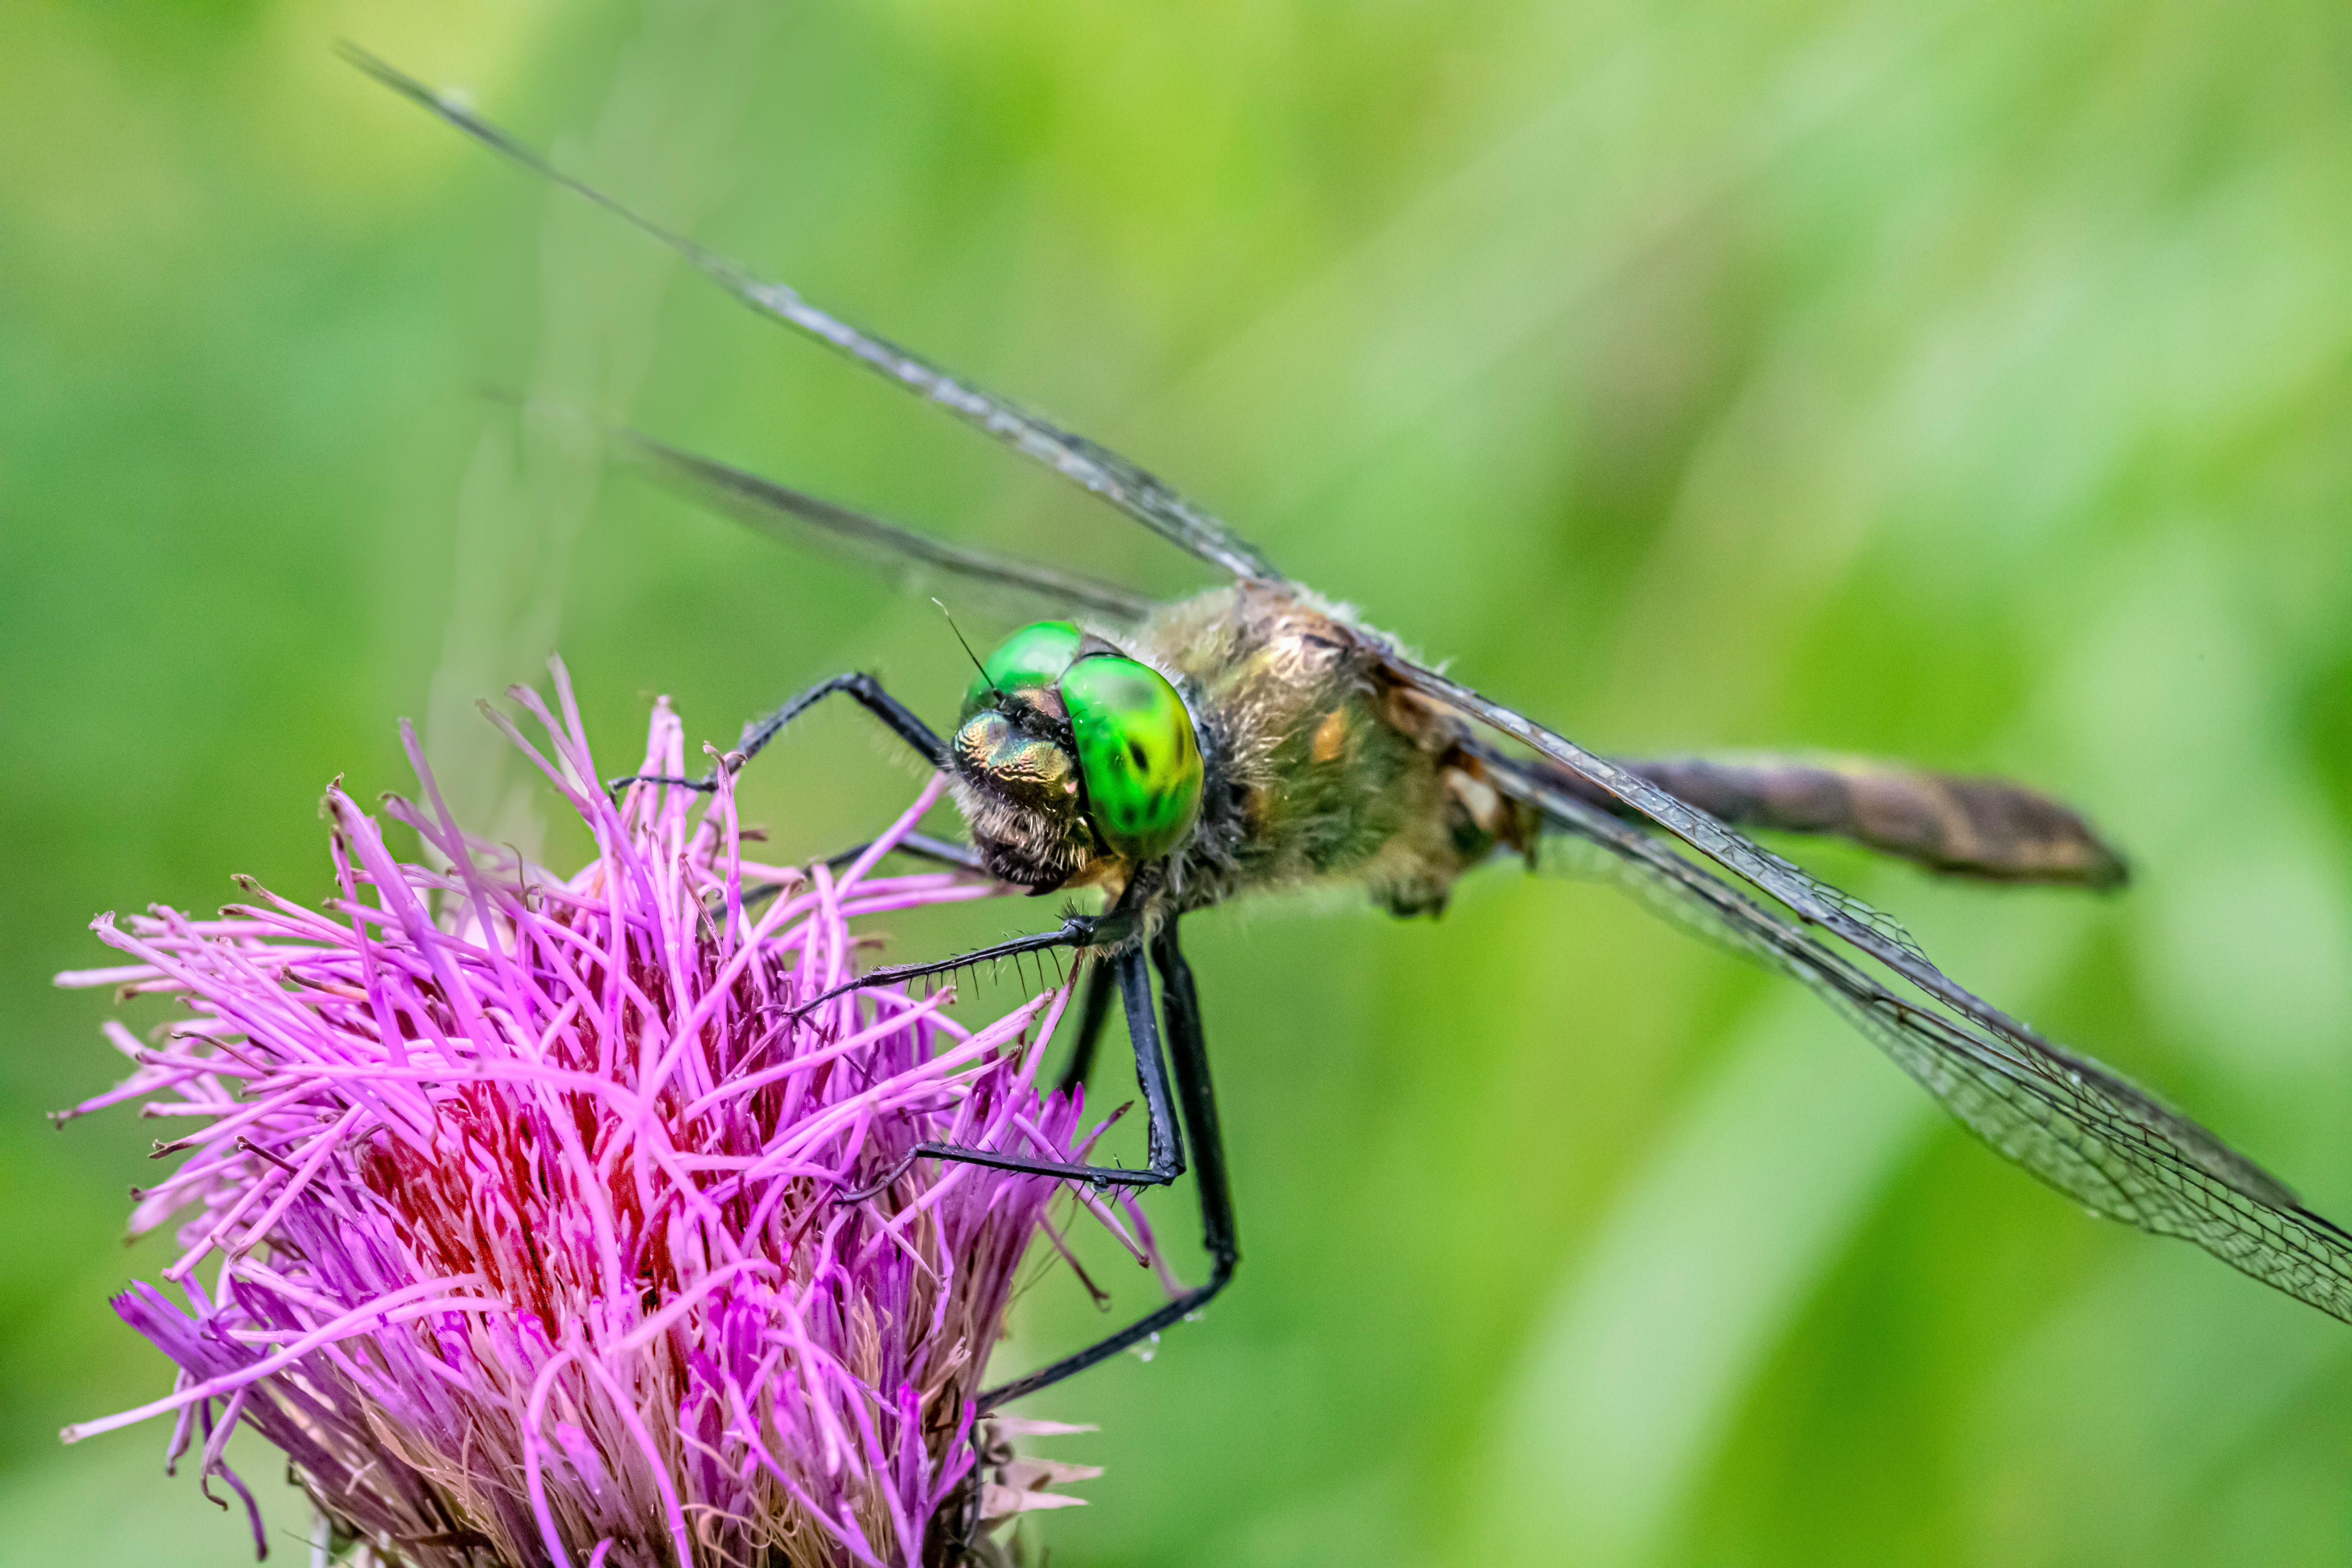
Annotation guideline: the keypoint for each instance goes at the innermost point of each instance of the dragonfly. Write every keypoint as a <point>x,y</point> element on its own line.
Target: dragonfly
<point>1174,756</point>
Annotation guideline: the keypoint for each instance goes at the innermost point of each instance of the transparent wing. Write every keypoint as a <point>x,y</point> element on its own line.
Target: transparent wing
<point>2072,1122</point>
<point>1141,495</point>
<point>800,518</point>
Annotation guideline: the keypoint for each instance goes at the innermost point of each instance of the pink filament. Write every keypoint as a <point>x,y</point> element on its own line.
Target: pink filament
<point>499,1125</point>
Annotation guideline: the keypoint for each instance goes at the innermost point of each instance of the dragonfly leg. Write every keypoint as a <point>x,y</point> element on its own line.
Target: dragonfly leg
<point>1188,1046</point>
<point>1164,1146</point>
<point>1077,930</point>
<point>857,684</point>
<point>1092,1014</point>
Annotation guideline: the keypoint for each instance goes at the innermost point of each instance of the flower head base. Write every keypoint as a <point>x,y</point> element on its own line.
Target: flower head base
<point>523,1220</point>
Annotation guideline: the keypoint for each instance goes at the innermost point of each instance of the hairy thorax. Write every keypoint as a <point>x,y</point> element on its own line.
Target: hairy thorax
<point>1319,769</point>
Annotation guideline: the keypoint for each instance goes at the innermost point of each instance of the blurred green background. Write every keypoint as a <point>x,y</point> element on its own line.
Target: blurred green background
<point>1967,382</point>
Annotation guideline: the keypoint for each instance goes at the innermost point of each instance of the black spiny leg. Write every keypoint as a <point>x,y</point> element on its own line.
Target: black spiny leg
<point>1112,926</point>
<point>1164,1146</point>
<point>1189,1047</point>
<point>1187,1042</point>
<point>1092,1012</point>
<point>864,688</point>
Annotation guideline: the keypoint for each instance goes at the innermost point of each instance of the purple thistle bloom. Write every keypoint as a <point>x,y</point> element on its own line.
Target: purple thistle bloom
<point>519,1217</point>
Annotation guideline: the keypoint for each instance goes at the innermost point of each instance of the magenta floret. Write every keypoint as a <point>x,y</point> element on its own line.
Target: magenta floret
<point>520,1213</point>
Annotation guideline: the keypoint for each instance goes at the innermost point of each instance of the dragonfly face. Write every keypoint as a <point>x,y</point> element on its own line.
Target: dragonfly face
<point>1072,763</point>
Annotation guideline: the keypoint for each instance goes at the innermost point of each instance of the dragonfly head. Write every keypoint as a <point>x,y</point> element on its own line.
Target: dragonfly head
<point>1073,758</point>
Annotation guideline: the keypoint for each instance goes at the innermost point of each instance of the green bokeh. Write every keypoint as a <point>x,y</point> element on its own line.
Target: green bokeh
<point>1966,381</point>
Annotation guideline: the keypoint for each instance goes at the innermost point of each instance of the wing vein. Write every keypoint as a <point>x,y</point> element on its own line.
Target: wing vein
<point>765,504</point>
<point>2073,1124</point>
<point>1126,485</point>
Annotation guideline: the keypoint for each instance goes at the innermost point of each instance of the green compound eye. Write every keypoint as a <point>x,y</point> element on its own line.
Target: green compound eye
<point>1034,656</point>
<point>1137,752</point>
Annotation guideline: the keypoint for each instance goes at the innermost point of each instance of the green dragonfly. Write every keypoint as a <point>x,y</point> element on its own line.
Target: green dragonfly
<point>1257,735</point>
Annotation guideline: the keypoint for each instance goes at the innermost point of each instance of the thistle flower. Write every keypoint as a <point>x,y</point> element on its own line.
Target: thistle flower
<point>525,1214</point>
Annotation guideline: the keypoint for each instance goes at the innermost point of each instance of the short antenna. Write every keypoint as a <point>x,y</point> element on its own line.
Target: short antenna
<point>967,648</point>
